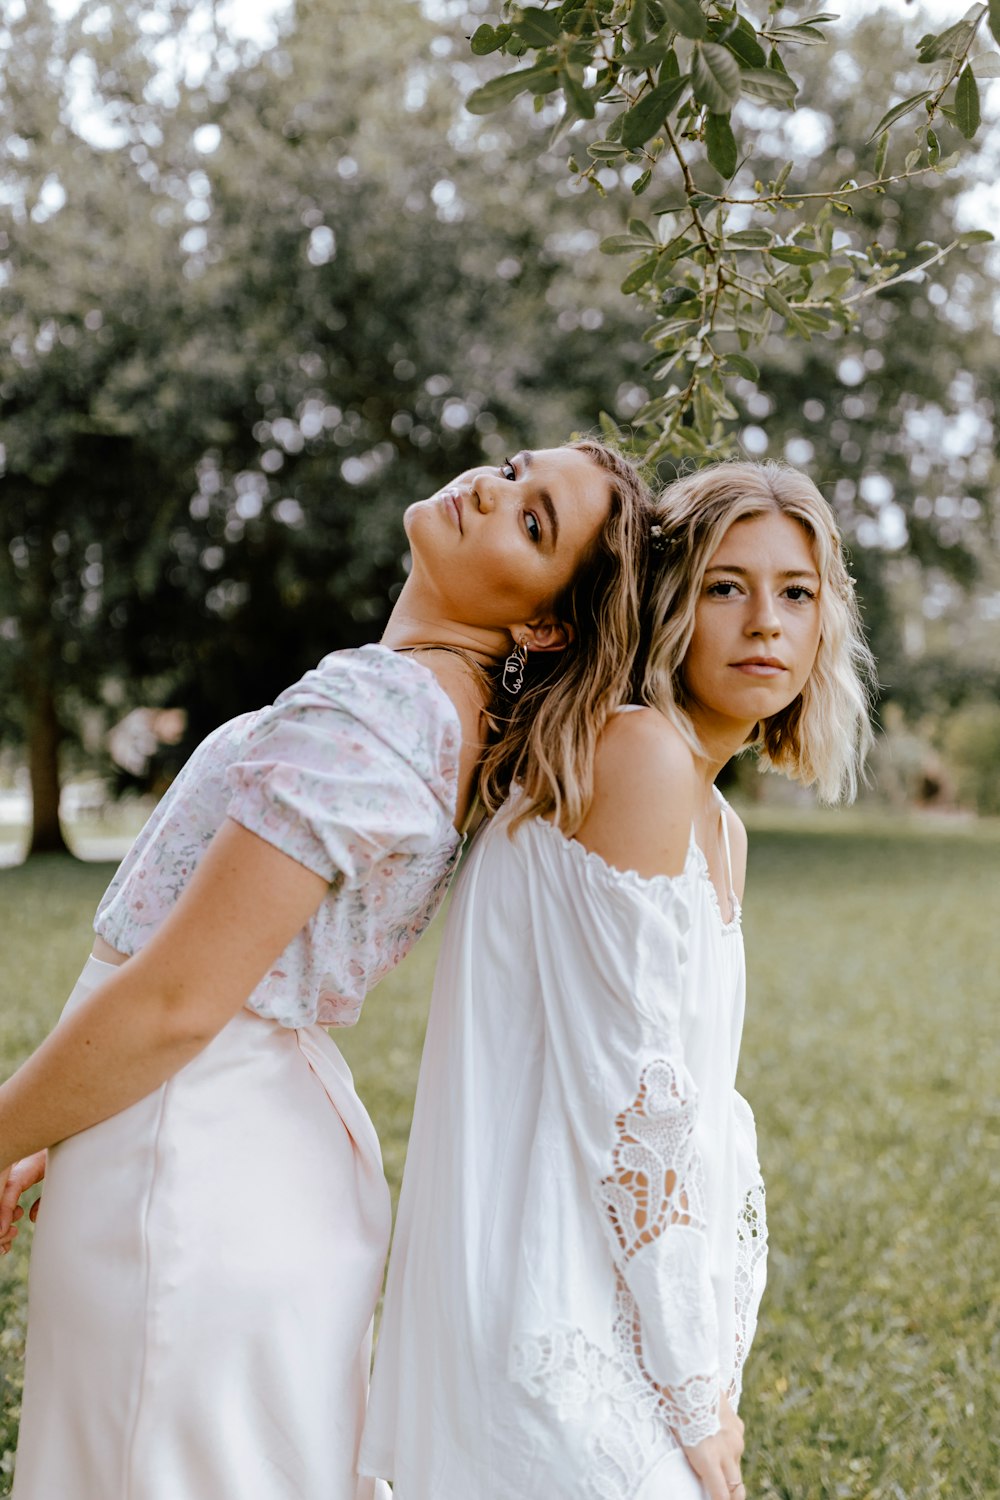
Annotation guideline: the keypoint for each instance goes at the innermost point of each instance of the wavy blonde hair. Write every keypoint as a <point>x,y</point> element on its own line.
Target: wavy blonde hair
<point>822,737</point>
<point>545,739</point>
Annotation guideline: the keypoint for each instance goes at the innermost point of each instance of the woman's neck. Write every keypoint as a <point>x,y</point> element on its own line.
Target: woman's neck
<point>720,741</point>
<point>414,624</point>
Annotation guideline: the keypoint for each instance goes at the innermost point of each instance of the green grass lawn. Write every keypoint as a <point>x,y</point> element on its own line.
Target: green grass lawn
<point>871,1060</point>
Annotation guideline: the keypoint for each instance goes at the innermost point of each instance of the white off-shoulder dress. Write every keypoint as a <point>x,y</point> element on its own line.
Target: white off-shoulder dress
<point>206,1263</point>
<point>580,1247</point>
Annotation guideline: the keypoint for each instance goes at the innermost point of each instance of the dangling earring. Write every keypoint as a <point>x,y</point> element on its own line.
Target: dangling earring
<point>513,669</point>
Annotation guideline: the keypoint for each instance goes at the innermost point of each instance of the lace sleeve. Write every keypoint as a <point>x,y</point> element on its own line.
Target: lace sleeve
<point>653,1204</point>
<point>751,1246</point>
<point>612,961</point>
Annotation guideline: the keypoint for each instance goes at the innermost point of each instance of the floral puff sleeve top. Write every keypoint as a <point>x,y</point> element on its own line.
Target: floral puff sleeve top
<point>353,772</point>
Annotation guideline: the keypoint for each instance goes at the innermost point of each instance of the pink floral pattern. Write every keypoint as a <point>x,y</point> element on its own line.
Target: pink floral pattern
<point>353,772</point>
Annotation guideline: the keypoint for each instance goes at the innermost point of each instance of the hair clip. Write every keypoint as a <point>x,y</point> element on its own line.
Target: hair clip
<point>659,540</point>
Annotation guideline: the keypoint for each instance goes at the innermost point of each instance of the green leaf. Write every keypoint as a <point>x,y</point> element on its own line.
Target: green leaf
<point>677,294</point>
<point>897,112</point>
<point>882,151</point>
<point>715,74</point>
<point>578,101</point>
<point>811,318</point>
<point>641,183</point>
<point>933,148</point>
<point>967,103</point>
<point>637,22</point>
<point>641,230</point>
<point>486,39</point>
<point>743,44</point>
<point>605,150</point>
<point>769,85</point>
<point>751,239</point>
<point>832,282</point>
<point>720,143</point>
<point>537,27</point>
<point>646,117</point>
<point>802,33</point>
<point>623,244</point>
<point>950,43</point>
<point>743,366</point>
<point>639,275</point>
<point>995,19</point>
<point>910,159</point>
<point>675,250</point>
<point>795,255</point>
<point>686,17</point>
<point>776,302</point>
<point>650,55</point>
<point>976,237</point>
<point>500,91</point>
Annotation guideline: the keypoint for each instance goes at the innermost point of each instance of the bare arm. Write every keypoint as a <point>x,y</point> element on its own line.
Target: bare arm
<point>244,904</point>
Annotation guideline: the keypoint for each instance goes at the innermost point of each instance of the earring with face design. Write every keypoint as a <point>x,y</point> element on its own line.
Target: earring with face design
<point>513,669</point>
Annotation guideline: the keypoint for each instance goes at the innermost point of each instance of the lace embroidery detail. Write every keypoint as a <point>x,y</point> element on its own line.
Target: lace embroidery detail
<point>568,1371</point>
<point>655,1185</point>
<point>645,1193</point>
<point>751,1264</point>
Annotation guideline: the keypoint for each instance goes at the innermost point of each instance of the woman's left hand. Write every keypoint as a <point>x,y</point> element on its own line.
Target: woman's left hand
<point>13,1182</point>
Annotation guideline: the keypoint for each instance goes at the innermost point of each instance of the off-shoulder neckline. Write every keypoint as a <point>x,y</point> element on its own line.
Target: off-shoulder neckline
<point>694,863</point>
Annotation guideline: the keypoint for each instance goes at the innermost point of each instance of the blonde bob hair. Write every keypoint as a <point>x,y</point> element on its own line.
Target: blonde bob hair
<point>545,739</point>
<point>821,738</point>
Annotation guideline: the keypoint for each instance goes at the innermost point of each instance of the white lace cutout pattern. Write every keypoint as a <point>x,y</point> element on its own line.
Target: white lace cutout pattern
<point>655,1184</point>
<point>569,1372</point>
<point>751,1258</point>
<point>657,1177</point>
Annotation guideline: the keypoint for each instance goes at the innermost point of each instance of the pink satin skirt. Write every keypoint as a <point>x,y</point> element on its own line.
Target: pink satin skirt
<point>203,1278</point>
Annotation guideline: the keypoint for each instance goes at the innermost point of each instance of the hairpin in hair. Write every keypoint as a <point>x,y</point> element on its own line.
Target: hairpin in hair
<point>660,541</point>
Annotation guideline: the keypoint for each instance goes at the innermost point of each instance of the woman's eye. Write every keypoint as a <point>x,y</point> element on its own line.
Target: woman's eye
<point>531,522</point>
<point>721,590</point>
<point>799,594</point>
<point>505,466</point>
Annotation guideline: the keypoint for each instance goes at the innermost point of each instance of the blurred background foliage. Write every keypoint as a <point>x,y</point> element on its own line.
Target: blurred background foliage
<point>257,300</point>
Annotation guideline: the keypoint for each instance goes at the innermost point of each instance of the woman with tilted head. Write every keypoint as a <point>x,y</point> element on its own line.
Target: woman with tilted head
<point>214,1219</point>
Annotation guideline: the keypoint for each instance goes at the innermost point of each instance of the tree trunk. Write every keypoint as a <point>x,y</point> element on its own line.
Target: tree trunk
<point>44,736</point>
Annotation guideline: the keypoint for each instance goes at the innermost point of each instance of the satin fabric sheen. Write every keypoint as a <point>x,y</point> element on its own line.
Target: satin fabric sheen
<point>203,1279</point>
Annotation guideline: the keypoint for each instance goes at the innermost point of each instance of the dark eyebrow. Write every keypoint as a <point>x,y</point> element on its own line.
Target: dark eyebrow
<point>744,572</point>
<point>547,503</point>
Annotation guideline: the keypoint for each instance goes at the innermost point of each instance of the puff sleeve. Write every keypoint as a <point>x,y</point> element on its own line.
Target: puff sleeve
<point>611,956</point>
<point>333,775</point>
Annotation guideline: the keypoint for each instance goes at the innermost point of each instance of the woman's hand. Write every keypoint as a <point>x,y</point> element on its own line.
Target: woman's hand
<point>15,1181</point>
<point>716,1460</point>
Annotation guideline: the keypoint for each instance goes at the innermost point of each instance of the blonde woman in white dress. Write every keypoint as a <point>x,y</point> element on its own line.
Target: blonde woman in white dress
<point>215,1218</point>
<point>580,1249</point>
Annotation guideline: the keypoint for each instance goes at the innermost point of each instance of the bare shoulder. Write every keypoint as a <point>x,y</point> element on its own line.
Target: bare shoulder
<point>738,843</point>
<point>644,791</point>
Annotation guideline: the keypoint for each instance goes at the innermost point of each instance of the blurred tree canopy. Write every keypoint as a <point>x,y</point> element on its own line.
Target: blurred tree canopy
<point>256,302</point>
<point>247,326</point>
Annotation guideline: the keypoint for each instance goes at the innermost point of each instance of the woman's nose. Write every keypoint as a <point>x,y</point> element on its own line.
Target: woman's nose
<point>764,618</point>
<point>484,492</point>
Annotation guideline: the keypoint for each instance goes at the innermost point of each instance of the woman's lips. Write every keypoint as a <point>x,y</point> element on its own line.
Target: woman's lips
<point>760,666</point>
<point>452,503</point>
